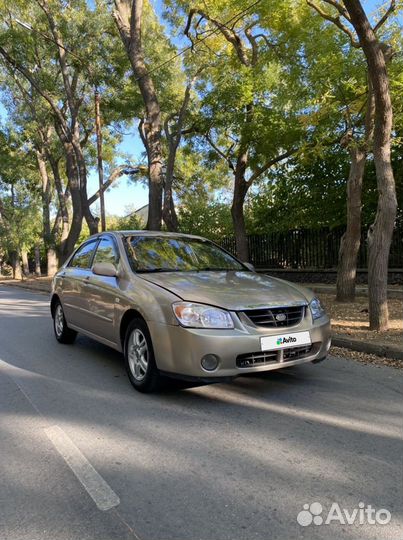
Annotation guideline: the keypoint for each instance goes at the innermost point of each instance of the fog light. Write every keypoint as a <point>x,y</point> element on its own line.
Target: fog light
<point>209,362</point>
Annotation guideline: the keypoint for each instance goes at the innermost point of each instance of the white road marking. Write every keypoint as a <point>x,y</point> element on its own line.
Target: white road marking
<point>96,487</point>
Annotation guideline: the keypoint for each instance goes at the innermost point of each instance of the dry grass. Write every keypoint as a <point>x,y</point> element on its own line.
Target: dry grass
<point>365,358</point>
<point>352,319</point>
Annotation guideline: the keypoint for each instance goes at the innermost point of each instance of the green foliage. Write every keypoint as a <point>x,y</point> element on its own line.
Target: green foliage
<point>302,194</point>
<point>20,219</point>
<point>307,87</point>
<point>209,219</point>
<point>130,222</point>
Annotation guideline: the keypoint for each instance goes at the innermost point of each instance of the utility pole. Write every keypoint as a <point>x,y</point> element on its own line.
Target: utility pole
<point>98,130</point>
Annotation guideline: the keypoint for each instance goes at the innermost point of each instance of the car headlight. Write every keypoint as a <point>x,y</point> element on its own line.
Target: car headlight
<point>201,316</point>
<point>317,309</point>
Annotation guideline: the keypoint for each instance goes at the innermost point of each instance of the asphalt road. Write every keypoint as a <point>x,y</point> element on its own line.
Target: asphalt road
<point>227,461</point>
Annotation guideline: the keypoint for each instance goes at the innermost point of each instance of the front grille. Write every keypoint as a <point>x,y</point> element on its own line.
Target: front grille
<point>256,359</point>
<point>276,317</point>
<point>296,352</point>
<point>263,358</point>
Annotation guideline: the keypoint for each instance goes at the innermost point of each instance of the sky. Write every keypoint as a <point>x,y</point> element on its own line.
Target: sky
<point>124,197</point>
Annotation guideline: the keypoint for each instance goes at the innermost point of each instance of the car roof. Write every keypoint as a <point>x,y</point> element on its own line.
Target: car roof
<point>149,233</point>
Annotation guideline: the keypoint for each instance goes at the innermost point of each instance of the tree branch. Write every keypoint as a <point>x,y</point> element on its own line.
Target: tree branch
<point>269,164</point>
<point>28,75</point>
<point>337,21</point>
<point>340,8</point>
<point>117,173</point>
<point>386,15</point>
<point>225,156</point>
<point>253,41</point>
<point>43,4</point>
<point>230,35</point>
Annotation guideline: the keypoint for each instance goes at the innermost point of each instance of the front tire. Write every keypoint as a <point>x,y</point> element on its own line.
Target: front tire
<point>139,357</point>
<point>62,332</point>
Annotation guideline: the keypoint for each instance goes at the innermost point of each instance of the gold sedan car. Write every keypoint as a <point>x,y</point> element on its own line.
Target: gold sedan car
<point>181,306</point>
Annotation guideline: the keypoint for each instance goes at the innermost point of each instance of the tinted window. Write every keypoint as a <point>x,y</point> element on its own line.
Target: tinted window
<point>82,258</point>
<point>106,252</point>
<point>165,254</point>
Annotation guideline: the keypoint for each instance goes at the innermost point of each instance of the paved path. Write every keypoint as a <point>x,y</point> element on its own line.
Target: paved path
<point>83,456</point>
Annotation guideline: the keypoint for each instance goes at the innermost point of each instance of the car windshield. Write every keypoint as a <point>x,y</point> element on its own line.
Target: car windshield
<point>177,254</point>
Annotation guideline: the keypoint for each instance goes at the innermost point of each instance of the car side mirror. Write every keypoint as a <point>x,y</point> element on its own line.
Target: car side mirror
<point>105,269</point>
<point>250,266</point>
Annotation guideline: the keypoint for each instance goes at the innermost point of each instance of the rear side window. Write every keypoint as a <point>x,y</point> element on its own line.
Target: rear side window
<point>82,258</point>
<point>106,252</point>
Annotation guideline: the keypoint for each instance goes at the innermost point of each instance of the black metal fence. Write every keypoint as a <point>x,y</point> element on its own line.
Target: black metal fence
<point>308,249</point>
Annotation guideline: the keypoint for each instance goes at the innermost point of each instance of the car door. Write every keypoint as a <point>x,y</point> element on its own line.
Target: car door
<point>75,276</point>
<point>101,292</point>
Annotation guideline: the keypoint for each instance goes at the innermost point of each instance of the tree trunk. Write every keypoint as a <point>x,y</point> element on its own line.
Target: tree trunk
<point>67,247</point>
<point>52,264</point>
<point>174,138</point>
<point>25,263</point>
<point>37,261</point>
<point>98,132</point>
<point>16,264</point>
<point>71,135</point>
<point>63,213</point>
<point>351,240</point>
<point>237,208</point>
<point>128,17</point>
<point>81,168</point>
<point>48,238</point>
<point>168,211</point>
<point>380,234</point>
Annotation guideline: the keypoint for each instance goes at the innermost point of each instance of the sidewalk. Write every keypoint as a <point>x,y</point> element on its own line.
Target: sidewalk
<point>350,327</point>
<point>394,291</point>
<point>40,284</point>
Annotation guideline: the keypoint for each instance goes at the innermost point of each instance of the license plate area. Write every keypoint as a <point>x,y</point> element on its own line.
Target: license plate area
<point>285,341</point>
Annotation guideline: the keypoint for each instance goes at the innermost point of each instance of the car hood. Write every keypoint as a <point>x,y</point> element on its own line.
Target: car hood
<point>231,290</point>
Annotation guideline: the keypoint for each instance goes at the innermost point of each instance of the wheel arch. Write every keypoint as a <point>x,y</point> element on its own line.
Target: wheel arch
<point>54,300</point>
<point>128,316</point>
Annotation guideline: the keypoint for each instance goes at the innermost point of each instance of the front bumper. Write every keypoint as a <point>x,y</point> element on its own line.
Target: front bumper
<point>179,350</point>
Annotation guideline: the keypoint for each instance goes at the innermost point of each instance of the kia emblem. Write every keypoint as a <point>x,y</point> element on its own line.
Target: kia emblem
<point>281,317</point>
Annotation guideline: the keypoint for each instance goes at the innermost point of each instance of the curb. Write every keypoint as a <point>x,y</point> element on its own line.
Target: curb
<point>26,287</point>
<point>390,351</point>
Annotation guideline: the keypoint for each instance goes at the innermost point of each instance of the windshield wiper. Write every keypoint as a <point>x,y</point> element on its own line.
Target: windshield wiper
<point>209,269</point>
<point>205,269</point>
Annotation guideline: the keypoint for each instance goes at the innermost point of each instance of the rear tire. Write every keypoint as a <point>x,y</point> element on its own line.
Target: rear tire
<point>139,357</point>
<point>62,332</point>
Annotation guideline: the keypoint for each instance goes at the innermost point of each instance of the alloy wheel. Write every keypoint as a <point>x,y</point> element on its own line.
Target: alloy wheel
<point>137,354</point>
<point>59,321</point>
